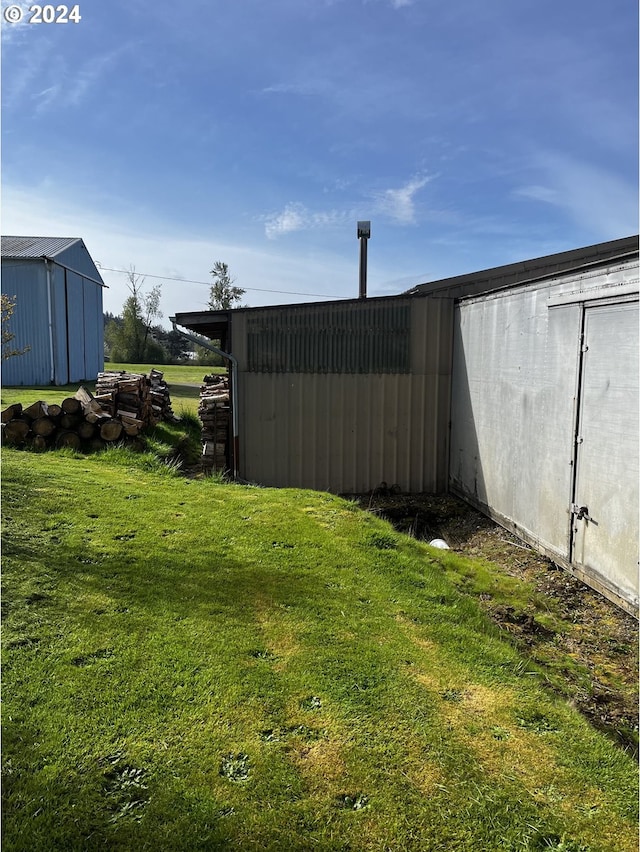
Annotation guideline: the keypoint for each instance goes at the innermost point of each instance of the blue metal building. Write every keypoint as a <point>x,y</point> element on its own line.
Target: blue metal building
<point>58,311</point>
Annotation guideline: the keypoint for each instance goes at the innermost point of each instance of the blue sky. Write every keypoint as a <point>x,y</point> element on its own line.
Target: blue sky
<point>171,135</point>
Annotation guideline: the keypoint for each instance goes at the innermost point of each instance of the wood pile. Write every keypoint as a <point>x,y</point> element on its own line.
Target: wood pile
<point>78,423</point>
<point>215,413</point>
<point>135,395</point>
<point>123,406</point>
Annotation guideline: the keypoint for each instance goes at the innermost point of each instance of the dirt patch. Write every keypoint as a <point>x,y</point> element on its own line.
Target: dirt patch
<point>587,644</point>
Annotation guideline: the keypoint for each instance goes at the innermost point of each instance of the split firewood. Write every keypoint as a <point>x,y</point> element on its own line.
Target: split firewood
<point>12,412</point>
<point>36,410</point>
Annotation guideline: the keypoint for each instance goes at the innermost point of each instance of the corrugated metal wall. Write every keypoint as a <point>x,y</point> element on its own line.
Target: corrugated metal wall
<point>515,391</point>
<point>77,336</point>
<point>27,281</point>
<point>347,431</point>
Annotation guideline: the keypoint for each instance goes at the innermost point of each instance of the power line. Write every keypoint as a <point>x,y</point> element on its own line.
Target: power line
<point>208,283</point>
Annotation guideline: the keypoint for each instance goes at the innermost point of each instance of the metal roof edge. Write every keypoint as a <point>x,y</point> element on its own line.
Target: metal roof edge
<point>536,268</point>
<point>68,242</point>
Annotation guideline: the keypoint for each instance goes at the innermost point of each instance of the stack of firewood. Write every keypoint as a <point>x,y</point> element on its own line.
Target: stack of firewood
<point>215,413</point>
<point>135,395</point>
<point>124,405</point>
<point>79,422</point>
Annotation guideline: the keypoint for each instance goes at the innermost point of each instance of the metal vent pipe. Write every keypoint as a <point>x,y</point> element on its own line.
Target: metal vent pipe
<point>364,232</point>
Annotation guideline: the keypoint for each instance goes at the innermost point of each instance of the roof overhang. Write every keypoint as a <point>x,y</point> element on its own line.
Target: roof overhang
<point>211,324</point>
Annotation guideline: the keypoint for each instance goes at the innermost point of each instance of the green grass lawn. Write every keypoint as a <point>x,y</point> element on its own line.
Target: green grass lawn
<point>190,665</point>
<point>184,386</point>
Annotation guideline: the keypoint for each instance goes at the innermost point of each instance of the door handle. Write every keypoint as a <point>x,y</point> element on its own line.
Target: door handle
<point>581,512</point>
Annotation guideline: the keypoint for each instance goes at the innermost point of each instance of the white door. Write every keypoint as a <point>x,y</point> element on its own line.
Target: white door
<point>605,519</point>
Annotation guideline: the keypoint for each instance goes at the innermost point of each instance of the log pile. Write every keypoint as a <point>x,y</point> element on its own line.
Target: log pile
<point>124,405</point>
<point>215,413</point>
<point>135,396</point>
<point>78,423</point>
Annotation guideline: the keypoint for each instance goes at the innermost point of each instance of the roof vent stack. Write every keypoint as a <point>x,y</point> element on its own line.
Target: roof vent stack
<point>364,232</point>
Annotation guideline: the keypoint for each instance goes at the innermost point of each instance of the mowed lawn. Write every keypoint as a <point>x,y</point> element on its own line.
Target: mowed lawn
<point>184,386</point>
<point>189,665</point>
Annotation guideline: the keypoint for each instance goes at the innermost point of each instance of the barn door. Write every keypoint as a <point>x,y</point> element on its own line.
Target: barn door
<point>605,506</point>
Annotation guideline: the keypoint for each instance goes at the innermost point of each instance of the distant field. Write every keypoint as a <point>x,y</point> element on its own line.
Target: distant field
<point>172,374</point>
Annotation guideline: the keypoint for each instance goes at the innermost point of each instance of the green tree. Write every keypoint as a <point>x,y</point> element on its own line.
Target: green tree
<point>130,340</point>
<point>223,294</point>
<point>8,304</point>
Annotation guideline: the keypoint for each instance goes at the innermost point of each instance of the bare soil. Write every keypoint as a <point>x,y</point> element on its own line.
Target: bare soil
<point>590,653</point>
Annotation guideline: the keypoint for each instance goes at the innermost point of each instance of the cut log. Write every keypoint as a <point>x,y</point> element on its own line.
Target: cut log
<point>12,412</point>
<point>54,410</point>
<point>111,430</point>
<point>85,429</point>
<point>71,405</point>
<point>70,421</point>
<point>68,439</point>
<point>96,444</point>
<point>16,431</point>
<point>43,427</point>
<point>40,443</point>
<point>36,410</point>
<point>95,416</point>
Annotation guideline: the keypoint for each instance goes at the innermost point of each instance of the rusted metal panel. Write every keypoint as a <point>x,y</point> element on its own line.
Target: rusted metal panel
<point>516,382</point>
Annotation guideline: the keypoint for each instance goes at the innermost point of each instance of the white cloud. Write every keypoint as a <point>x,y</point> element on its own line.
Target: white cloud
<point>294,217</point>
<point>596,198</point>
<point>399,203</point>
<point>270,274</point>
<point>297,217</point>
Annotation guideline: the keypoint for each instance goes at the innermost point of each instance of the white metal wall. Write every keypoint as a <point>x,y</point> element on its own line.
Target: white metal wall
<point>517,379</point>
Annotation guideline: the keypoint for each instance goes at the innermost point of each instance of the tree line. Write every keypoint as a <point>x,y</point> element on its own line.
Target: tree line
<point>136,337</point>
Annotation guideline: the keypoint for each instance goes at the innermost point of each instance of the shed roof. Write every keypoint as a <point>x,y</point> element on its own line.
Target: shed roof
<point>36,247</point>
<point>528,271</point>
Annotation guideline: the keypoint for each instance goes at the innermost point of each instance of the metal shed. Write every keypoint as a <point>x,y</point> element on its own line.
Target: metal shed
<point>479,384</point>
<point>544,416</point>
<point>340,396</point>
<point>58,312</point>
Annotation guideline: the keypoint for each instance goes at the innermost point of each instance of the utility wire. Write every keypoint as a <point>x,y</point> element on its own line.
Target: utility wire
<point>208,283</point>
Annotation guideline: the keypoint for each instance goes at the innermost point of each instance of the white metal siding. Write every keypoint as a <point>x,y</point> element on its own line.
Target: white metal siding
<point>514,405</point>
